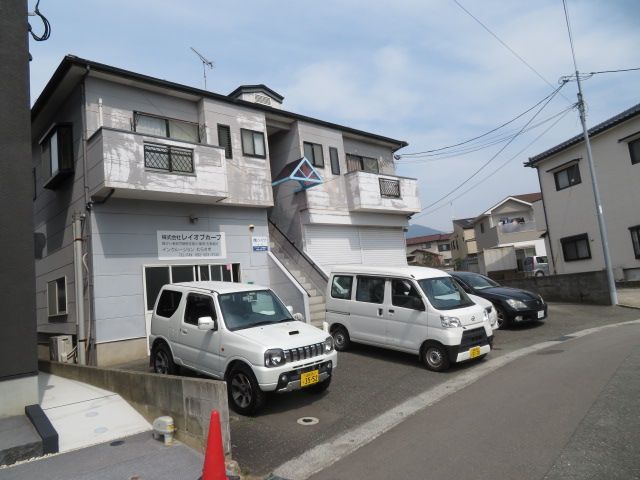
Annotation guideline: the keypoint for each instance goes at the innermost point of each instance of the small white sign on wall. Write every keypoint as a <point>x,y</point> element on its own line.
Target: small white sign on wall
<point>179,245</point>
<point>260,244</point>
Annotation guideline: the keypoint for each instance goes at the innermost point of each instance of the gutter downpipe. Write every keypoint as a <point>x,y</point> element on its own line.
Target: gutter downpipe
<point>81,343</point>
<point>546,221</point>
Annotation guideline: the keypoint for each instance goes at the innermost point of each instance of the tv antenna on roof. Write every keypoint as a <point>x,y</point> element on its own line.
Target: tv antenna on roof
<point>205,63</point>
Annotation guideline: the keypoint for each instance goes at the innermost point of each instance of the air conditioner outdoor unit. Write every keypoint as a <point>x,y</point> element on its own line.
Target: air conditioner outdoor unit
<point>60,348</point>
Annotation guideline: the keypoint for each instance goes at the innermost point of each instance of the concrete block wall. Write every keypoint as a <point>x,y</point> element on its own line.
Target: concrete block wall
<point>188,400</point>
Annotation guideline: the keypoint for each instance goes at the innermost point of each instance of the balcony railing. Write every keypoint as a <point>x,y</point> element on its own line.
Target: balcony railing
<point>517,227</point>
<point>389,188</point>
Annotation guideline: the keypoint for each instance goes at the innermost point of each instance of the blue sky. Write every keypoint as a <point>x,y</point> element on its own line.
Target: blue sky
<point>418,70</point>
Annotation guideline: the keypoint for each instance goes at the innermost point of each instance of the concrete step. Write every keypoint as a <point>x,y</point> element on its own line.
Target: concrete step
<point>316,299</point>
<point>318,307</point>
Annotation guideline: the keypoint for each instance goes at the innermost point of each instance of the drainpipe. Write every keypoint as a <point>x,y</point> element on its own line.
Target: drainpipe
<point>81,343</point>
<point>546,221</point>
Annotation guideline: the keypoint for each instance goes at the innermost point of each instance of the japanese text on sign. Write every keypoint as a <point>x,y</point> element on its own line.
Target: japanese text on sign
<point>176,245</point>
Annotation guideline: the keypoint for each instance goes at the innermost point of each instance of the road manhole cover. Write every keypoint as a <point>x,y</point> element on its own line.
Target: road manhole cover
<point>307,421</point>
<point>549,352</point>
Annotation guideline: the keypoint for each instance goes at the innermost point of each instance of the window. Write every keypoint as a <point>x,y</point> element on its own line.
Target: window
<point>567,177</point>
<point>198,306</point>
<point>57,297</point>
<point>444,247</point>
<point>364,164</point>
<point>157,276</point>
<point>370,289</point>
<point>634,151</point>
<point>168,303</point>
<point>57,155</point>
<point>313,153</point>
<point>576,248</point>
<point>444,293</point>
<point>253,143</point>
<point>341,287</point>
<point>224,140</point>
<point>389,188</point>
<point>335,161</point>
<point>247,309</point>
<point>166,127</point>
<point>482,227</point>
<point>169,158</point>
<point>405,295</point>
<point>635,240</point>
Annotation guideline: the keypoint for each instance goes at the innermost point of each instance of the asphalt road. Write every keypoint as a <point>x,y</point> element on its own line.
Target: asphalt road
<point>569,411</point>
<point>370,381</point>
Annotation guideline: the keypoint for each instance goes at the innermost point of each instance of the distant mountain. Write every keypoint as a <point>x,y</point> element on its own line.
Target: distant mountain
<point>416,230</point>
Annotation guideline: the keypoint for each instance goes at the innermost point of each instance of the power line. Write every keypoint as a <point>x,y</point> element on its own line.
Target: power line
<point>504,164</point>
<point>47,26</point>
<point>483,166</point>
<point>508,47</point>
<point>615,71</point>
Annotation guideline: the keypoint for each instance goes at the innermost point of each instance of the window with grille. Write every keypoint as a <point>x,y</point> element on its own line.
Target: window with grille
<point>253,143</point>
<point>364,164</point>
<point>389,188</point>
<point>576,248</point>
<point>166,127</point>
<point>168,158</point>
<point>224,140</point>
<point>313,153</point>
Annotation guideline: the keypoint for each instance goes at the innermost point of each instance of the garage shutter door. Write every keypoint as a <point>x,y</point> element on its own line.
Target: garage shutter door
<point>383,246</point>
<point>339,245</point>
<point>333,245</point>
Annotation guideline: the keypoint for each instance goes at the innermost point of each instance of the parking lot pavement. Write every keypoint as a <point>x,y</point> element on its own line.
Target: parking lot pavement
<point>368,382</point>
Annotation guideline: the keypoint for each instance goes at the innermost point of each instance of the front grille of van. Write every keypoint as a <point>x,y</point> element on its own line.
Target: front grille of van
<point>473,338</point>
<point>303,353</point>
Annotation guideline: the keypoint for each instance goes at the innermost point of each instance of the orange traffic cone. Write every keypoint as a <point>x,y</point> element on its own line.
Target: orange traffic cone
<point>214,468</point>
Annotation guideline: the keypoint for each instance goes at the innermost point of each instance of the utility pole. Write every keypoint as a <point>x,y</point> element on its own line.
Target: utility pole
<point>613,295</point>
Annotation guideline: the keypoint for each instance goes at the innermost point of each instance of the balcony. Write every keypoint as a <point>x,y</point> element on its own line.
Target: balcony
<point>147,167</point>
<point>372,192</point>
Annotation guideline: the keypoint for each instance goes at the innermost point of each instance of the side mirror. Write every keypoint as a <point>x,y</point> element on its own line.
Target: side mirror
<point>206,323</point>
<point>299,317</point>
<point>290,308</point>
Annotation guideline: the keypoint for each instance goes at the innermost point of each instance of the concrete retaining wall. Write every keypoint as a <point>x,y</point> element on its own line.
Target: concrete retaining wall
<point>188,400</point>
<point>588,287</point>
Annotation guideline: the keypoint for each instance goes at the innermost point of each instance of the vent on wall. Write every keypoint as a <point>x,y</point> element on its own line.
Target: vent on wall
<point>263,99</point>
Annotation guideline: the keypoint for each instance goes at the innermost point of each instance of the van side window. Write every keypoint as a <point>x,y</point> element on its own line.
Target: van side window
<point>198,306</point>
<point>370,289</point>
<point>405,295</point>
<point>341,287</point>
<point>168,303</point>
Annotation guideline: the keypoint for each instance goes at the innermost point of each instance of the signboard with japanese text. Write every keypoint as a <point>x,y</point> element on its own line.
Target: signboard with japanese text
<point>260,244</point>
<point>185,245</point>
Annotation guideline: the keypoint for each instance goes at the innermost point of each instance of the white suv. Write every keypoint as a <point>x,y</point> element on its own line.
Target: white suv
<point>240,333</point>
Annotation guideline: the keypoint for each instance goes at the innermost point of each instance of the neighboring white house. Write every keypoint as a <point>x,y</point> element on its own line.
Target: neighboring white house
<point>512,222</point>
<point>464,250</point>
<point>565,180</point>
<point>174,183</point>
<point>432,250</point>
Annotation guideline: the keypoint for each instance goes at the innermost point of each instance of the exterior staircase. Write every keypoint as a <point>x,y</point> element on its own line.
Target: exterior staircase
<point>302,268</point>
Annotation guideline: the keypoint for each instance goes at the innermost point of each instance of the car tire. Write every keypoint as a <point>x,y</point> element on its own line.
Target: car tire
<point>245,395</point>
<point>539,274</point>
<point>341,340</point>
<point>163,360</point>
<point>318,387</point>
<point>435,357</point>
<point>503,320</point>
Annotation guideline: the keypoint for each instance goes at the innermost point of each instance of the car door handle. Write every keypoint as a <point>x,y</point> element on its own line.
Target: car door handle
<point>391,310</point>
<point>184,330</point>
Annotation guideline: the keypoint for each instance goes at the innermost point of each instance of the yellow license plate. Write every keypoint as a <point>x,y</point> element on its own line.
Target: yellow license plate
<point>474,352</point>
<point>309,378</point>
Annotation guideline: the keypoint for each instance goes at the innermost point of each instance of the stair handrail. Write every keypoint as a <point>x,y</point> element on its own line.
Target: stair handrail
<point>304,255</point>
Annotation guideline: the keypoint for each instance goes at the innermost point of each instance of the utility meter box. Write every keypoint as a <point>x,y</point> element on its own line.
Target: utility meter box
<point>60,348</point>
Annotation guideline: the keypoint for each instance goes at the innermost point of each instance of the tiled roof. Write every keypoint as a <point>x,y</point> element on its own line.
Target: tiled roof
<point>428,238</point>
<point>601,127</point>
<point>529,197</point>
<point>465,222</point>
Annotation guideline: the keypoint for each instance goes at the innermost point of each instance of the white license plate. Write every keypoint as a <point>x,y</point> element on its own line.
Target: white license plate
<point>541,314</point>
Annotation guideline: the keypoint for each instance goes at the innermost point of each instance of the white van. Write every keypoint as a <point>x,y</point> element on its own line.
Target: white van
<point>412,309</point>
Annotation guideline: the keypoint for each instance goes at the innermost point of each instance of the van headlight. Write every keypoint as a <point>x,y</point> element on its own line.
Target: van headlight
<point>328,344</point>
<point>485,314</point>
<point>517,304</point>
<point>274,357</point>
<point>450,322</point>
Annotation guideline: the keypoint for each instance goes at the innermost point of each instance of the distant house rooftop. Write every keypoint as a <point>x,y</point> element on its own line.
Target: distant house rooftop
<point>436,237</point>
<point>464,222</point>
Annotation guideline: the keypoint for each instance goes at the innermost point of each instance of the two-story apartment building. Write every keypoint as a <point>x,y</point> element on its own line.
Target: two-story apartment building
<point>169,183</point>
<point>511,222</point>
<point>565,181</point>
<point>432,250</point>
<point>464,251</point>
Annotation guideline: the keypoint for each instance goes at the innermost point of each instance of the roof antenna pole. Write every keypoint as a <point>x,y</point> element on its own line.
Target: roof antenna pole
<point>205,63</point>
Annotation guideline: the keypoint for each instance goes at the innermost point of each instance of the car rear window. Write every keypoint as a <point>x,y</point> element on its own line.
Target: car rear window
<point>168,303</point>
